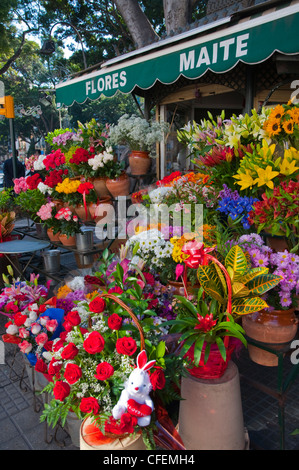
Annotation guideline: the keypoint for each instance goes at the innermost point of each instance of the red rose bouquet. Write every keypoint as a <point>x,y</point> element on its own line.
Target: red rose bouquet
<point>92,360</point>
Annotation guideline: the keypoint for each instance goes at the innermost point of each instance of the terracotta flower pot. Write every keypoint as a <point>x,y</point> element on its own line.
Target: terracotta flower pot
<point>82,213</point>
<point>119,186</point>
<point>276,327</point>
<point>53,237</point>
<point>58,204</point>
<point>178,287</point>
<point>140,162</point>
<point>98,211</point>
<point>67,240</point>
<point>100,186</point>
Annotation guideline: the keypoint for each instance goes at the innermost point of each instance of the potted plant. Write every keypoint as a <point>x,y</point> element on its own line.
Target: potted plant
<point>47,214</point>
<point>102,167</point>
<point>31,201</point>
<point>276,323</point>
<point>105,336</point>
<point>277,214</point>
<point>69,226</point>
<point>140,136</point>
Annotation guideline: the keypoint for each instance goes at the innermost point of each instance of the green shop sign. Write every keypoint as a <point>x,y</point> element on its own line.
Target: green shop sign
<point>251,41</point>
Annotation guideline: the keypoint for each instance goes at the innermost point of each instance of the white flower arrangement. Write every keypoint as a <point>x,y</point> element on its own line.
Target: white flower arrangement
<point>137,133</point>
<point>101,159</point>
<point>39,163</point>
<point>44,188</point>
<point>150,246</point>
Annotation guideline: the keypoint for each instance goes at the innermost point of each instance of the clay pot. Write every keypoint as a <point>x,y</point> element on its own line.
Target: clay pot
<point>81,213</point>
<point>67,240</point>
<point>100,187</point>
<point>177,288</point>
<point>119,186</point>
<point>58,204</point>
<point>53,237</point>
<point>95,210</point>
<point>275,327</point>
<point>140,162</point>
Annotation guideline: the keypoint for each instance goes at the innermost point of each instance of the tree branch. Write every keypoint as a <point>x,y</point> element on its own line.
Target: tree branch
<point>17,54</point>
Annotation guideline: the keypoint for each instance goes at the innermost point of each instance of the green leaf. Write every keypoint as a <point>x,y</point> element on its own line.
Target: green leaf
<point>189,305</point>
<point>160,351</point>
<point>221,347</point>
<point>253,273</point>
<point>263,283</point>
<point>244,306</point>
<point>236,260</point>
<point>198,349</point>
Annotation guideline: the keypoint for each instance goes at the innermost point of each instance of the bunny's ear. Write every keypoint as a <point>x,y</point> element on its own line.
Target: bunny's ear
<point>148,365</point>
<point>141,359</point>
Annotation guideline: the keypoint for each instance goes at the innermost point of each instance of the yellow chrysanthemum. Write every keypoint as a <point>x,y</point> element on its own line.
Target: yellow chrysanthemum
<point>68,186</point>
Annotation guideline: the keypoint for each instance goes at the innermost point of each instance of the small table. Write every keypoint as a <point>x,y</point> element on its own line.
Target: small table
<point>20,247</point>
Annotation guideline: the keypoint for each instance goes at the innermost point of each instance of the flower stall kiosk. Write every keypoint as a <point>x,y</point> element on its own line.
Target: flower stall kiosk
<point>155,325</point>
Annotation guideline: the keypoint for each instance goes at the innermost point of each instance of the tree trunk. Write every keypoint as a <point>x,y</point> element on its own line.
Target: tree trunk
<point>177,14</point>
<point>140,28</point>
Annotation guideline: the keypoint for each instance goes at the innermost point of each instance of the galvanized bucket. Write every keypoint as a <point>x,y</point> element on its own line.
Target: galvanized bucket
<point>84,240</point>
<point>52,261</point>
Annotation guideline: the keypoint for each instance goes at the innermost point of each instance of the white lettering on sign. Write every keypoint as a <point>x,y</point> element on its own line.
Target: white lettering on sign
<point>108,82</point>
<point>215,52</point>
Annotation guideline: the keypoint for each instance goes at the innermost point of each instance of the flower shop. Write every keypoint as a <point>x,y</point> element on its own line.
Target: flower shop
<point>137,349</point>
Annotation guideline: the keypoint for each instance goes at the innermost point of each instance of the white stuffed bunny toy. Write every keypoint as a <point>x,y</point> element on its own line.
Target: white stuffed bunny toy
<point>135,397</point>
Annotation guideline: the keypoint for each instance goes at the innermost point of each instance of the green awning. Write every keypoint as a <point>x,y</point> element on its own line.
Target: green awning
<point>251,41</point>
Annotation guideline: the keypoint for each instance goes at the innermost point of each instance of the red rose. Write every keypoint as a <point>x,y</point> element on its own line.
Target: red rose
<point>54,367</point>
<point>72,373</point>
<point>90,405</point>
<point>40,366</point>
<point>94,343</point>
<point>70,351</point>
<point>61,390</point>
<point>114,321</point>
<point>115,290</point>
<point>73,318</point>
<point>126,424</point>
<point>97,305</point>
<point>19,319</point>
<point>157,379</point>
<point>126,345</point>
<point>58,345</point>
<point>104,371</point>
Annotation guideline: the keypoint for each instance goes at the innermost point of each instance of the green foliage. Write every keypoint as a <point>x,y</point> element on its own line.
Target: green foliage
<point>248,284</point>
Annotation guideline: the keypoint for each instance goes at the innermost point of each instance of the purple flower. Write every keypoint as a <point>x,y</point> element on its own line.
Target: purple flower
<point>66,304</point>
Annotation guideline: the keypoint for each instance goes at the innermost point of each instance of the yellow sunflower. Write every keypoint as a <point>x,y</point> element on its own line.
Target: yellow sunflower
<point>288,126</point>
